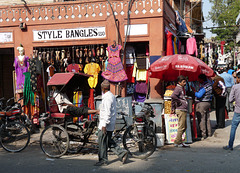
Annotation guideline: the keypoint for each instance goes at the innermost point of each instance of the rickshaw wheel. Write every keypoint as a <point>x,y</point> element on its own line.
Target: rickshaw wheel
<point>54,141</point>
<point>76,137</point>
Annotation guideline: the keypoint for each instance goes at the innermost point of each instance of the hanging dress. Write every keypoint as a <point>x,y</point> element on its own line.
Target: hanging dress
<point>20,68</point>
<point>114,71</point>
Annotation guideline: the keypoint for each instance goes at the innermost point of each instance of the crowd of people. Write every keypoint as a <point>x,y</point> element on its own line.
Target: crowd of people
<point>222,91</point>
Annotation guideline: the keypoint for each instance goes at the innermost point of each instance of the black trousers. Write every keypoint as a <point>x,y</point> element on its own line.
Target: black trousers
<point>76,111</point>
<point>220,111</point>
<point>105,141</point>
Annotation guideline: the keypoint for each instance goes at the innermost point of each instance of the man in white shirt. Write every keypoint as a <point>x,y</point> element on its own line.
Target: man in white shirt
<point>106,126</point>
<point>65,106</point>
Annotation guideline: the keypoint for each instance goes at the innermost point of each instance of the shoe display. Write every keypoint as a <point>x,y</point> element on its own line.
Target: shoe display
<point>227,148</point>
<point>101,163</point>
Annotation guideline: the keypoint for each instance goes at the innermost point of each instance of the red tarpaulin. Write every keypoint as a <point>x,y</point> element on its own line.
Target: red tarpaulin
<point>168,68</point>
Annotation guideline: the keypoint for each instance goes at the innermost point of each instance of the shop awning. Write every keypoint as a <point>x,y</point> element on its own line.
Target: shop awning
<point>64,78</point>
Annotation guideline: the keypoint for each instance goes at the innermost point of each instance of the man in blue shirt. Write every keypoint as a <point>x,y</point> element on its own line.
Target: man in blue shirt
<point>229,82</point>
<point>203,100</point>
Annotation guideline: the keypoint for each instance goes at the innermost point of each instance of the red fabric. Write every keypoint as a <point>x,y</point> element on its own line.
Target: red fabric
<point>169,50</point>
<point>91,102</point>
<point>168,68</point>
<point>222,47</point>
<point>129,71</point>
<point>226,114</point>
<point>73,68</point>
<point>194,121</point>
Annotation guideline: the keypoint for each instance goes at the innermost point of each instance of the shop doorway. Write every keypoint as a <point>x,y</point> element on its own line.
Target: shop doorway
<point>6,72</point>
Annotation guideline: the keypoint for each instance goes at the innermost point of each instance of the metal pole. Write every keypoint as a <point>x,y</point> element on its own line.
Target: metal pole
<point>234,55</point>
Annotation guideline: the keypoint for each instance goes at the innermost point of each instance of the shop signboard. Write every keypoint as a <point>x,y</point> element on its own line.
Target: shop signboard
<point>6,37</point>
<point>171,124</point>
<point>69,34</point>
<point>137,29</point>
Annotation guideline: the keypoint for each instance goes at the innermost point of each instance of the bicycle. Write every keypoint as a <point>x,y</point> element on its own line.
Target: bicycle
<point>139,138</point>
<point>14,135</point>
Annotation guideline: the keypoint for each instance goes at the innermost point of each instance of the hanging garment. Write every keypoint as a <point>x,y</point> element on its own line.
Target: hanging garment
<point>201,52</point>
<point>140,97</point>
<point>20,68</point>
<point>169,49</point>
<point>28,95</point>
<point>191,46</point>
<point>130,88</point>
<point>91,103</point>
<point>222,47</point>
<point>51,70</point>
<point>114,71</point>
<point>73,68</point>
<point>175,45</point>
<point>129,72</point>
<point>92,69</point>
<point>141,63</point>
<point>141,87</point>
<point>33,72</point>
<point>139,74</point>
<point>179,46</point>
<point>78,98</point>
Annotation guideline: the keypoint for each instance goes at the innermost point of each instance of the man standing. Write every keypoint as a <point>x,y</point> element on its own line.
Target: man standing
<point>204,98</point>
<point>106,126</point>
<point>229,82</point>
<point>234,96</point>
<point>219,91</point>
<point>179,106</point>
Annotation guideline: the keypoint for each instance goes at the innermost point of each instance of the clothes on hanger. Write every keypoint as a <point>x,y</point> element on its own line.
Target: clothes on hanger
<point>92,69</point>
<point>115,71</point>
<point>191,46</point>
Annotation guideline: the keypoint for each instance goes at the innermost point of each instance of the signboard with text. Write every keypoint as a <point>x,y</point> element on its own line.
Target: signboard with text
<point>69,34</point>
<point>171,124</point>
<point>6,37</point>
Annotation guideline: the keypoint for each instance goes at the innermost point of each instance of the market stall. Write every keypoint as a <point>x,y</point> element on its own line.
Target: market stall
<point>168,68</point>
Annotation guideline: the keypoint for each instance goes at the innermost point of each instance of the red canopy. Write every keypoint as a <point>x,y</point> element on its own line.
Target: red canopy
<point>168,68</point>
<point>64,78</point>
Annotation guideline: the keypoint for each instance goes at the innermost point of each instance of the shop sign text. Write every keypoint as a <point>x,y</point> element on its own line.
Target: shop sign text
<point>6,37</point>
<point>69,34</point>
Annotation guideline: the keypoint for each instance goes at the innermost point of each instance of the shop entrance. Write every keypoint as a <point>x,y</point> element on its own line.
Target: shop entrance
<point>6,72</point>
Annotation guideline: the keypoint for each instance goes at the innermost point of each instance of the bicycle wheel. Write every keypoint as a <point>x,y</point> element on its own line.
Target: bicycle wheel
<point>140,145</point>
<point>76,137</point>
<point>54,141</point>
<point>14,137</point>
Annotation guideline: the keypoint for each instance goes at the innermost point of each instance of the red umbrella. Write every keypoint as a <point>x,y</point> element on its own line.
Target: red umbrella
<point>168,68</point>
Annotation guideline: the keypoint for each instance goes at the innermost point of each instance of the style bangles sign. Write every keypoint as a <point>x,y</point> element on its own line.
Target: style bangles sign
<point>69,34</point>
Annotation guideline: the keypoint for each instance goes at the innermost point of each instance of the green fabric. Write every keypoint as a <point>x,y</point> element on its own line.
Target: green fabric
<point>28,94</point>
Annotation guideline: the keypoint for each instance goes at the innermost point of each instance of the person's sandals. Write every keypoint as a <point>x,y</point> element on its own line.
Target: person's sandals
<point>182,145</point>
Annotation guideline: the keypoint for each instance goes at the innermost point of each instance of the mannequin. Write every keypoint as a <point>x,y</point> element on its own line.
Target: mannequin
<point>21,66</point>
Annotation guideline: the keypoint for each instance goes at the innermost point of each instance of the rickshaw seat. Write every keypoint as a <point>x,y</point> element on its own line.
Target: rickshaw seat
<point>59,115</point>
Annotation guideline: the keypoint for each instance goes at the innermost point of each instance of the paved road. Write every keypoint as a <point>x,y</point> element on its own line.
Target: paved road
<point>204,156</point>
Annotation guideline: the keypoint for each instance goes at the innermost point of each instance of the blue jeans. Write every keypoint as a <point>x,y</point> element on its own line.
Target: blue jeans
<point>235,122</point>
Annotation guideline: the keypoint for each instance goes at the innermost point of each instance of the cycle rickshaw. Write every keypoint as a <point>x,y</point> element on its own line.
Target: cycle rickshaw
<point>61,134</point>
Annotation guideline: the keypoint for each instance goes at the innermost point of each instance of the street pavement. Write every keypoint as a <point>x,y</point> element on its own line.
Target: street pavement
<point>204,156</point>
